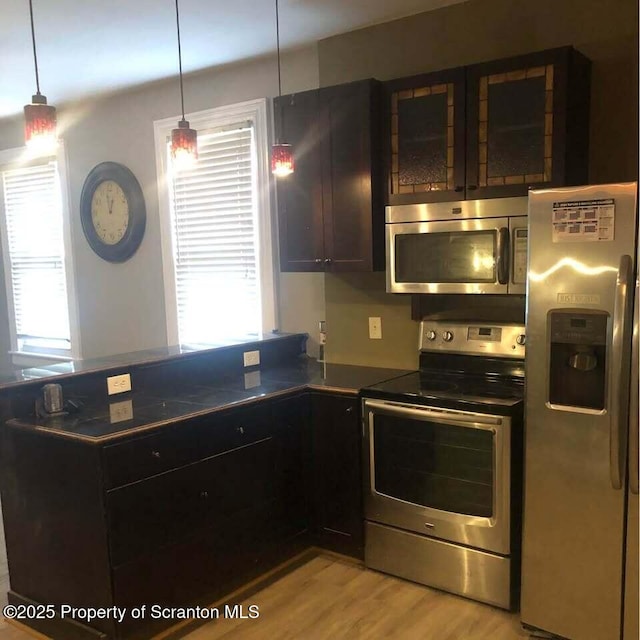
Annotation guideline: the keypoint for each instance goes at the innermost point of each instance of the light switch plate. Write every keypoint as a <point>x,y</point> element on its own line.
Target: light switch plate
<point>375,328</point>
<point>251,358</point>
<point>119,384</point>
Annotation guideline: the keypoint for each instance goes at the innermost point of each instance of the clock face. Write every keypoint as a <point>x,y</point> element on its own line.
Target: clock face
<point>109,212</point>
<point>112,211</point>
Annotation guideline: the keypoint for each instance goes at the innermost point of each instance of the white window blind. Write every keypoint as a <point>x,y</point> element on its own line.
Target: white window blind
<point>36,278</point>
<point>215,239</point>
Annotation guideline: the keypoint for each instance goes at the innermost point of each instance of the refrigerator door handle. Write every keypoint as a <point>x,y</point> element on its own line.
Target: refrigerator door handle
<point>502,250</point>
<point>633,402</point>
<point>617,391</point>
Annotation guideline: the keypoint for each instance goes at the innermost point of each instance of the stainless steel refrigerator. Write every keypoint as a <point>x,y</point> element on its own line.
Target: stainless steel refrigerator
<point>580,554</point>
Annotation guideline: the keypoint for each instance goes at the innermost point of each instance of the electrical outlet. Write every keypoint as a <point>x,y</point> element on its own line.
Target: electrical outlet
<point>251,358</point>
<point>375,328</point>
<point>118,384</point>
<point>120,411</point>
<point>252,379</point>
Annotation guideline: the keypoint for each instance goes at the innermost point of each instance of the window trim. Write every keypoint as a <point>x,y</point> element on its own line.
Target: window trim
<point>250,110</point>
<point>19,157</point>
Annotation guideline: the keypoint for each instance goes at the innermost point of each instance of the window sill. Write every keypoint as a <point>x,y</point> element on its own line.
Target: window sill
<point>30,359</point>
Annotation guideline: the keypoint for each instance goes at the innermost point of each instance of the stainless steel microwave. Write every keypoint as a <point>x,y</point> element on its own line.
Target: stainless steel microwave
<point>473,246</point>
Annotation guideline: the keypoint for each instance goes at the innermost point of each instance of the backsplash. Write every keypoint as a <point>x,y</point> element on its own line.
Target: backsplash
<point>351,299</point>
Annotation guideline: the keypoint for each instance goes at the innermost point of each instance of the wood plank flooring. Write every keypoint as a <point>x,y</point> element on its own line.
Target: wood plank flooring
<point>329,598</point>
<point>332,599</point>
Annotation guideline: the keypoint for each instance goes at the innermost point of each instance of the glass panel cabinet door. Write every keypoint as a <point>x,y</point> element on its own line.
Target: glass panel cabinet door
<point>523,115</point>
<point>425,138</point>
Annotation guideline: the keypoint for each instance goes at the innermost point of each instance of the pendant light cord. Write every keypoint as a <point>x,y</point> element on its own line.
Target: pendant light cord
<point>179,59</point>
<point>35,55</point>
<point>281,132</point>
<point>278,50</point>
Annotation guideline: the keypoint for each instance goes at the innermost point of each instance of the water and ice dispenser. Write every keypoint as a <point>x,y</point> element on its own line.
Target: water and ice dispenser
<point>578,358</point>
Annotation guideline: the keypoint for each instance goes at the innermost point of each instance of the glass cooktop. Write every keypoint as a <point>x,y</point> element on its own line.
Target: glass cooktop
<point>453,386</point>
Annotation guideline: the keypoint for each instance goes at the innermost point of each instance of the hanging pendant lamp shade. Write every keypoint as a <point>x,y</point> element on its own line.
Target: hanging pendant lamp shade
<point>184,140</point>
<point>40,120</point>
<point>40,124</point>
<point>282,160</point>
<point>184,145</point>
<point>281,153</point>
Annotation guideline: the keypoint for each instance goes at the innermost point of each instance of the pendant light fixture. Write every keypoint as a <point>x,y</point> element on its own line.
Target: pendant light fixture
<point>39,117</point>
<point>281,152</point>
<point>184,140</point>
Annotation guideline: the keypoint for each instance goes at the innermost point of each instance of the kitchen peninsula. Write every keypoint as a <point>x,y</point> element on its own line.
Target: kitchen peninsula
<point>203,477</point>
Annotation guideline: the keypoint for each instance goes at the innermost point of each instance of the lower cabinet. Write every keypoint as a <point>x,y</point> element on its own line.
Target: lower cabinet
<point>195,533</point>
<point>179,516</point>
<point>337,444</point>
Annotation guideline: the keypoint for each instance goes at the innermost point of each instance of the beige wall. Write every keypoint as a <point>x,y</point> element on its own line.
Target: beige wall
<point>462,34</point>
<point>121,306</point>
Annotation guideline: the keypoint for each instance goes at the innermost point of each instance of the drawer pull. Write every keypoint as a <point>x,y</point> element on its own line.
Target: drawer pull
<point>240,430</point>
<point>204,495</point>
<point>349,409</point>
<point>156,454</point>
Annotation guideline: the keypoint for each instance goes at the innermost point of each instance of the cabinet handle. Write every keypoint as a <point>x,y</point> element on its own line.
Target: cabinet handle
<point>240,430</point>
<point>328,260</point>
<point>472,187</point>
<point>318,260</point>
<point>349,409</point>
<point>156,454</point>
<point>458,189</point>
<point>204,495</point>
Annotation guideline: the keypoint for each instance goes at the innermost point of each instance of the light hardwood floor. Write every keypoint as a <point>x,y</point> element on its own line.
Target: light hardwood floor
<point>332,599</point>
<point>329,598</point>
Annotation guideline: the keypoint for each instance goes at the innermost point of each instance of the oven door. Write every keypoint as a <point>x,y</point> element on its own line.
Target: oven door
<point>462,256</point>
<point>438,472</point>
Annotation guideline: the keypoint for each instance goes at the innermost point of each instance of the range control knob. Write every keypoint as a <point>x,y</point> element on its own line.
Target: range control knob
<point>431,334</point>
<point>521,339</point>
<point>447,336</point>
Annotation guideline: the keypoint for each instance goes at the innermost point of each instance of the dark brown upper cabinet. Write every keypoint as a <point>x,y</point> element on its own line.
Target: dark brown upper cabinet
<point>330,210</point>
<point>509,125</point>
<point>426,147</point>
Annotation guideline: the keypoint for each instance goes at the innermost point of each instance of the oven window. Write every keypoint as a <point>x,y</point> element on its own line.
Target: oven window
<point>459,256</point>
<point>434,465</point>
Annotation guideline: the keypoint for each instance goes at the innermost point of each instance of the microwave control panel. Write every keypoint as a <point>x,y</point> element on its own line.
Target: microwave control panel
<point>519,244</point>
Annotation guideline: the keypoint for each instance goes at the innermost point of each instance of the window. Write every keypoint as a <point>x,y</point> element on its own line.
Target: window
<point>216,228</point>
<point>37,265</point>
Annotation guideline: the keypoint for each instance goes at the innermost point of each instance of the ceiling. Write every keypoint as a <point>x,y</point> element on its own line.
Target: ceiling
<point>87,47</point>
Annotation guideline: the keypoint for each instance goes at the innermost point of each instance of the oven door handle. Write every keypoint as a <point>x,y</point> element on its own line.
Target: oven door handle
<point>473,420</point>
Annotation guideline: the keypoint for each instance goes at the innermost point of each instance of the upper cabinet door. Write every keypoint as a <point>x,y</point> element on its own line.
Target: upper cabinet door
<point>331,209</point>
<point>353,206</point>
<point>425,137</point>
<point>527,123</point>
<point>300,194</point>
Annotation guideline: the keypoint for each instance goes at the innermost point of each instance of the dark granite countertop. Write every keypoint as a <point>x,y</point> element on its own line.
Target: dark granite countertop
<point>113,417</point>
<point>10,377</point>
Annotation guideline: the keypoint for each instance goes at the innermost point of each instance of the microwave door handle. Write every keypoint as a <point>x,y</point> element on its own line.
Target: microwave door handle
<point>502,263</point>
<point>617,392</point>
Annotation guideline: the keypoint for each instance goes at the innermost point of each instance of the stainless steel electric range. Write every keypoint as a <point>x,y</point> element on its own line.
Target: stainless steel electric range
<point>443,463</point>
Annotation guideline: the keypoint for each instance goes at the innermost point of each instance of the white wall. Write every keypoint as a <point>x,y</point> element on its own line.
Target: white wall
<point>121,306</point>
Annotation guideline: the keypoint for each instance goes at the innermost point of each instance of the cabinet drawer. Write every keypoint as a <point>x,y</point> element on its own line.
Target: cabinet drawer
<point>163,509</point>
<point>184,443</point>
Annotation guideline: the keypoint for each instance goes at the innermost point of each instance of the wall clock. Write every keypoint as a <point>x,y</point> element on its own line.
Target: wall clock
<point>112,211</point>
